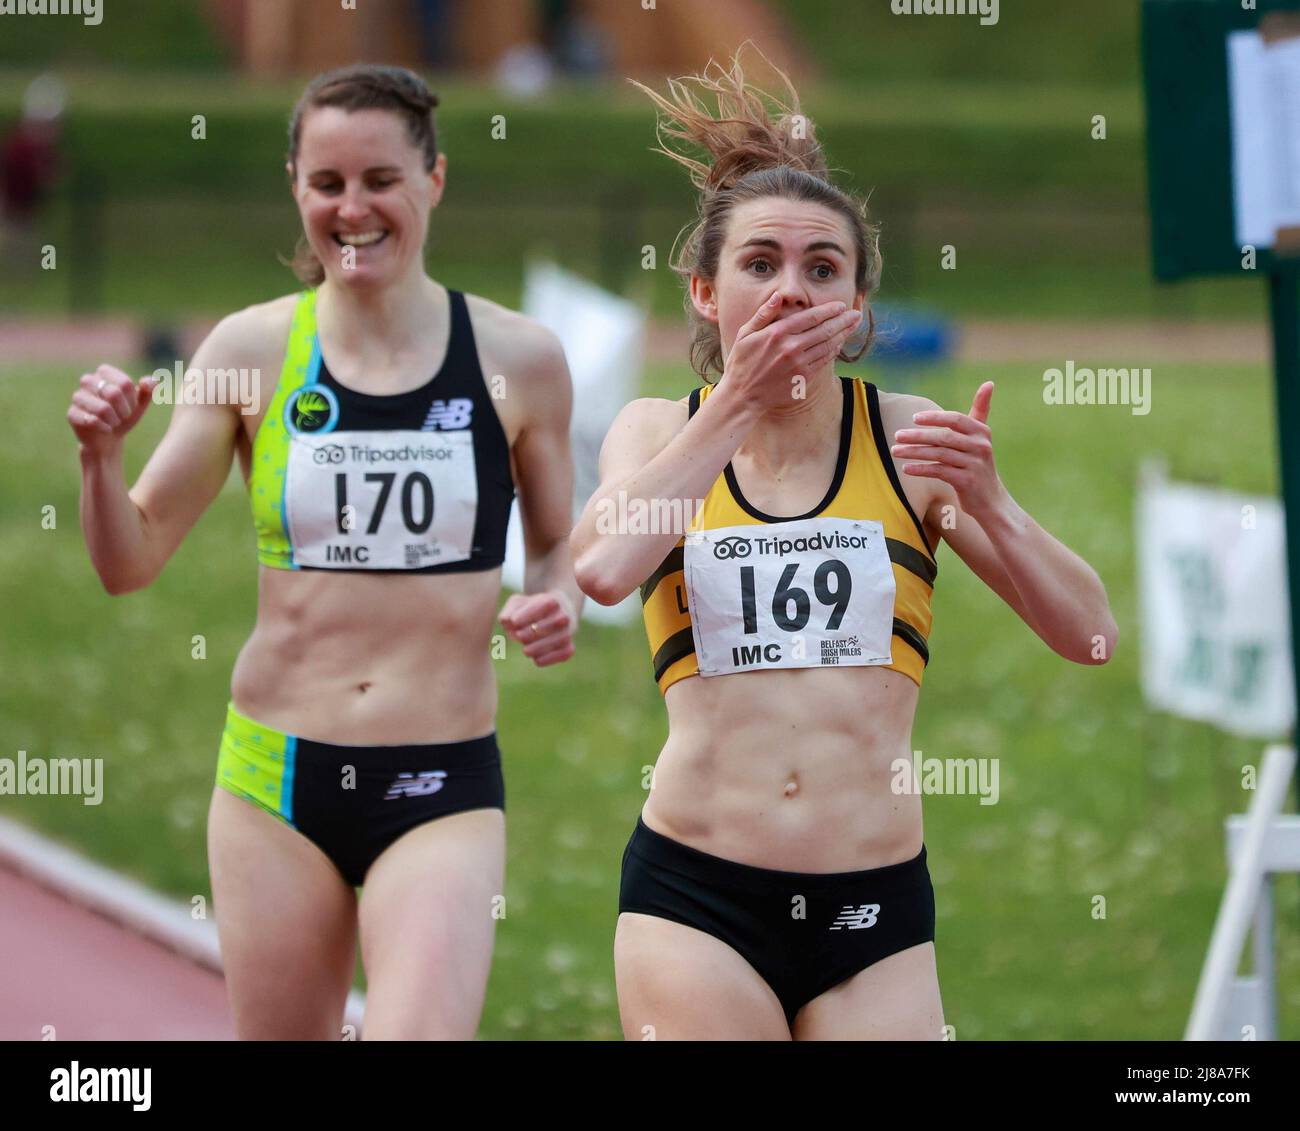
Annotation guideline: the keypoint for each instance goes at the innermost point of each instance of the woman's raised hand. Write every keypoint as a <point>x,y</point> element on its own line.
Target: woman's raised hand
<point>770,352</point>
<point>106,405</point>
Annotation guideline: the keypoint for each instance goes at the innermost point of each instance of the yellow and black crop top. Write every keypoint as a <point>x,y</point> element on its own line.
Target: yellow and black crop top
<point>866,494</point>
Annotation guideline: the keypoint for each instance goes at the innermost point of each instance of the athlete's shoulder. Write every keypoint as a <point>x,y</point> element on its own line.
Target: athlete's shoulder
<point>256,333</point>
<point>522,344</point>
<point>640,431</point>
<point>909,403</point>
<point>648,423</point>
<point>896,409</point>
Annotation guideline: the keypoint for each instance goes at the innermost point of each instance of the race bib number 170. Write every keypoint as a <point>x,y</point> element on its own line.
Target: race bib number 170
<point>814,593</point>
<point>381,500</point>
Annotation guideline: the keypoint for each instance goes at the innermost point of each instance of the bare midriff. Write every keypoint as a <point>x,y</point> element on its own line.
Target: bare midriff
<point>371,658</point>
<point>795,770</point>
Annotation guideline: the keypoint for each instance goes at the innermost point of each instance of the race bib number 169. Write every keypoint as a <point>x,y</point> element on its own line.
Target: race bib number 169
<point>814,593</point>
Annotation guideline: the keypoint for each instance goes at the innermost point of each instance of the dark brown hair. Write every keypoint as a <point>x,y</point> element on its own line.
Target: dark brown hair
<point>756,147</point>
<point>363,86</point>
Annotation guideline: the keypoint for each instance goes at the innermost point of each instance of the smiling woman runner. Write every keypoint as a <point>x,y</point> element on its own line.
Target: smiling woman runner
<point>359,744</point>
<point>775,886</point>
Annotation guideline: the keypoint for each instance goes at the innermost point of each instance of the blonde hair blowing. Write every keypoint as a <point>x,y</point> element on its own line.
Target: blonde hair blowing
<point>755,146</point>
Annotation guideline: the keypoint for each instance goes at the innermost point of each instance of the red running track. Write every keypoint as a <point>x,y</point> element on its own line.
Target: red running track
<point>95,980</point>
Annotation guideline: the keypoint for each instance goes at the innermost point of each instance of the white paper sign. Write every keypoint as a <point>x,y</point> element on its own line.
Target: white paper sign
<point>603,338</point>
<point>1264,103</point>
<point>1216,641</point>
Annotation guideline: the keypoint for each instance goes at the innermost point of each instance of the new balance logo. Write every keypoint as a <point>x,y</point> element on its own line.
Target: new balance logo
<point>416,785</point>
<point>446,416</point>
<point>856,918</point>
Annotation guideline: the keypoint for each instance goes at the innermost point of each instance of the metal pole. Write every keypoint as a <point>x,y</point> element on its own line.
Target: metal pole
<point>1265,966</point>
<point>1284,307</point>
<point>1240,899</point>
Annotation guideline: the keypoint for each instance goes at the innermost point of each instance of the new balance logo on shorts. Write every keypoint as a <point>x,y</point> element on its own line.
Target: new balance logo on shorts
<point>856,918</point>
<point>446,416</point>
<point>416,785</point>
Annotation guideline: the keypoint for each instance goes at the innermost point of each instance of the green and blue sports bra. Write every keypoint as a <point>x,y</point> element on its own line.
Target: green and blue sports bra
<point>412,482</point>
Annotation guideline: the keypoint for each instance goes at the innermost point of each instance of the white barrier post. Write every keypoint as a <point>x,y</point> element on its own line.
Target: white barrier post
<point>1248,873</point>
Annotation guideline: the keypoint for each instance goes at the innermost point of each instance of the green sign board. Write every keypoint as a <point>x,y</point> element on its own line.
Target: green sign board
<point>1222,82</point>
<point>1195,213</point>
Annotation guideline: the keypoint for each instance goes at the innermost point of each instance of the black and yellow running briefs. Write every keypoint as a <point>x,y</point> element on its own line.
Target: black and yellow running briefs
<point>847,584</point>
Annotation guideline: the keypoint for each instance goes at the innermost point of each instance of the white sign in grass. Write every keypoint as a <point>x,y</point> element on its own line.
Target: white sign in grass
<point>1213,602</point>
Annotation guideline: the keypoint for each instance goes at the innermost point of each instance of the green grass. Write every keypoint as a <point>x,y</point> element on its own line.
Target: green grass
<point>138,36</point>
<point>863,41</point>
<point>1099,795</point>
